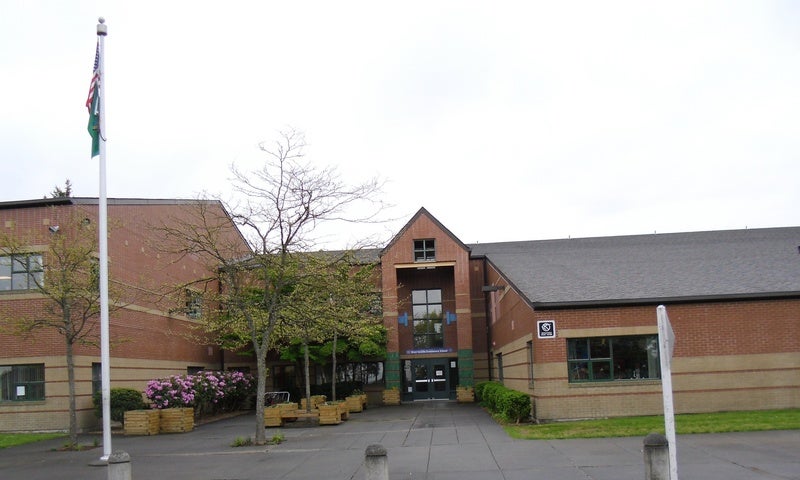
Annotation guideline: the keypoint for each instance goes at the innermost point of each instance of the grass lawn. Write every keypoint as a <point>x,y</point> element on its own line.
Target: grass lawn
<point>641,426</point>
<point>14,439</point>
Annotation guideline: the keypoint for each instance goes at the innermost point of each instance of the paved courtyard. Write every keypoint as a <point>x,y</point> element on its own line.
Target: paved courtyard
<point>436,440</point>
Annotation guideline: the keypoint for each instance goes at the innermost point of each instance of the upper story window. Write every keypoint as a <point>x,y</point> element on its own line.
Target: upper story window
<point>21,272</point>
<point>602,359</point>
<point>427,312</point>
<point>194,305</point>
<point>424,250</point>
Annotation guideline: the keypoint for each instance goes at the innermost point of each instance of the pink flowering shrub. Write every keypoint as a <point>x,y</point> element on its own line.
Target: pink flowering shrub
<point>207,391</point>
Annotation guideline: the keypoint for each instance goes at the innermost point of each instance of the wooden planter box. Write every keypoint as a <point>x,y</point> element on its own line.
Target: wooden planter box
<point>272,416</point>
<point>330,414</point>
<point>316,400</point>
<point>142,422</point>
<point>344,410</point>
<point>355,403</point>
<point>391,397</point>
<point>465,394</point>
<point>286,410</point>
<point>176,420</point>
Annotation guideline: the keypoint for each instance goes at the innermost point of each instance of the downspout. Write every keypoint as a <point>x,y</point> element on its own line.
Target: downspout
<point>487,313</point>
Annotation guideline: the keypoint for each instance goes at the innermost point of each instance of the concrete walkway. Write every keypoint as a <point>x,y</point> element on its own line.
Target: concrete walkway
<point>425,440</point>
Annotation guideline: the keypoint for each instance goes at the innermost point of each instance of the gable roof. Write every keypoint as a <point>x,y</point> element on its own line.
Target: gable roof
<point>422,211</point>
<point>754,263</point>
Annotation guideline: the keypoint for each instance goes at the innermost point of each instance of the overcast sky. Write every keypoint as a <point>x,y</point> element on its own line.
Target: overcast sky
<point>506,120</point>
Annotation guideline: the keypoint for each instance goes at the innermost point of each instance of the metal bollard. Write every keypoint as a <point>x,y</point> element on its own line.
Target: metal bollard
<point>119,466</point>
<point>656,457</point>
<point>376,463</point>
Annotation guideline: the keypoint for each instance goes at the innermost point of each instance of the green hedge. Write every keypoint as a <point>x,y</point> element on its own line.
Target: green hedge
<point>509,405</point>
<point>121,400</point>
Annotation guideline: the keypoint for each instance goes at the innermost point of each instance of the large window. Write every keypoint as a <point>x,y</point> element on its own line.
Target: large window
<point>97,377</point>
<point>427,311</point>
<point>21,272</point>
<point>368,373</point>
<point>424,250</point>
<point>22,382</point>
<point>602,359</point>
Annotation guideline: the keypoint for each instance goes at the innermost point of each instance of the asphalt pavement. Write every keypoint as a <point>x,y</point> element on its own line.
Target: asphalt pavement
<point>436,440</point>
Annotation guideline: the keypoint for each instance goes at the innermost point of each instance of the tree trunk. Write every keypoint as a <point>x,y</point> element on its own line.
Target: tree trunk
<point>73,416</point>
<point>261,390</point>
<point>306,373</point>
<point>333,362</point>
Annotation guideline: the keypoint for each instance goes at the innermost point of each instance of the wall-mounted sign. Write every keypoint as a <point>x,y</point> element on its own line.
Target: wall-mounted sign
<point>429,350</point>
<point>547,328</point>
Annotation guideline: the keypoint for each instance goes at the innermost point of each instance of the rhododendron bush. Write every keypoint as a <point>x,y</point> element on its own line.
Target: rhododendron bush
<point>208,392</point>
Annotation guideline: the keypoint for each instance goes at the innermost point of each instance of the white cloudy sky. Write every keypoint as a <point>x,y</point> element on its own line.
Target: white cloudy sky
<point>506,120</point>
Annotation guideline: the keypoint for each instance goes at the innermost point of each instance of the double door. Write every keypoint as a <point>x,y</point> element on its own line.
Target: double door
<point>430,378</point>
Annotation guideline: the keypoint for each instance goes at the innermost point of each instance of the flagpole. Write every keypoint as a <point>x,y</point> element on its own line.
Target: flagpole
<point>102,31</point>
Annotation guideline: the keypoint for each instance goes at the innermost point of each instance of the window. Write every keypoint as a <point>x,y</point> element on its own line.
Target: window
<point>97,377</point>
<point>424,250</point>
<point>499,367</point>
<point>426,306</point>
<point>21,272</point>
<point>368,373</point>
<point>601,359</point>
<point>529,350</point>
<point>194,305</point>
<point>22,382</point>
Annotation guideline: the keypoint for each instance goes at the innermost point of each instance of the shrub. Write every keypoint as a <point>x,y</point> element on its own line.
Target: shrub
<point>508,405</point>
<point>514,406</point>
<point>121,400</point>
<point>489,395</point>
<point>207,392</point>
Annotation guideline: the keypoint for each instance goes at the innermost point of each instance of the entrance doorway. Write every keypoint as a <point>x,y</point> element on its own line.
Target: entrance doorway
<point>430,379</point>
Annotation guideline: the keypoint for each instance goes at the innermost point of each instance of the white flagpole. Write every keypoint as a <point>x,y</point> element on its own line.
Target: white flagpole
<point>666,340</point>
<point>102,31</point>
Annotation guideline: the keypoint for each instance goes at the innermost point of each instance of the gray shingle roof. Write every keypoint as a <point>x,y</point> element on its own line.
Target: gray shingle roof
<point>651,268</point>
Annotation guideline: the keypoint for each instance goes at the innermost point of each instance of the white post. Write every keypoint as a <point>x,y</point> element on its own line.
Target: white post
<point>666,344</point>
<point>102,31</point>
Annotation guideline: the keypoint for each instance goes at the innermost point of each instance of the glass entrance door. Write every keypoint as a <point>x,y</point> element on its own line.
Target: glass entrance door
<point>430,379</point>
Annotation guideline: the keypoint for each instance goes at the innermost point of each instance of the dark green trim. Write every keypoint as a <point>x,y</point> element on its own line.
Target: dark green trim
<point>466,368</point>
<point>392,373</point>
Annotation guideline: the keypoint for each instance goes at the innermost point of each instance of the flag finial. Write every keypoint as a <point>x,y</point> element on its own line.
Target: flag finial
<point>102,28</point>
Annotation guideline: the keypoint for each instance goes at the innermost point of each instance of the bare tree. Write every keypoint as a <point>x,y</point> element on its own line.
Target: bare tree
<point>282,204</point>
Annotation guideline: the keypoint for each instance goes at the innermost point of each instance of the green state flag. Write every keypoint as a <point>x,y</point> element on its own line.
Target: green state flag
<point>93,104</point>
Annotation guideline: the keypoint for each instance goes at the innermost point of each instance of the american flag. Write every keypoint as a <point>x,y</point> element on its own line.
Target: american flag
<point>95,80</point>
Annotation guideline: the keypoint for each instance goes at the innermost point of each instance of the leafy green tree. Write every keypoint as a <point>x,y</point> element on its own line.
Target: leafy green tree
<point>68,282</point>
<point>332,312</point>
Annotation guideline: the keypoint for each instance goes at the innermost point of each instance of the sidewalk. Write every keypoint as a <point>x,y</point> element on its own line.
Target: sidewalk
<point>425,440</point>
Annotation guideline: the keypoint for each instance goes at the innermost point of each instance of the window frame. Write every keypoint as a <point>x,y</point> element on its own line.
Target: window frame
<point>424,250</point>
<point>10,383</point>
<point>588,362</point>
<point>27,266</point>
<point>425,318</point>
